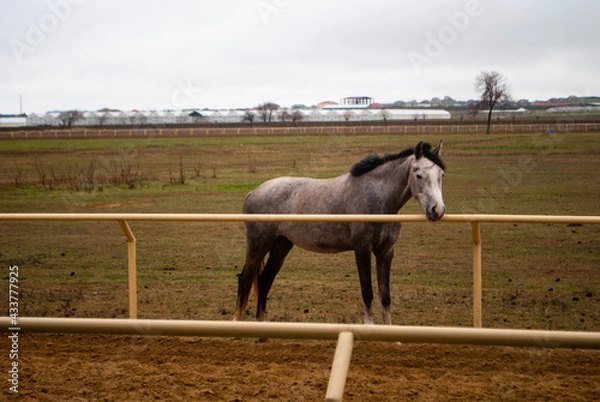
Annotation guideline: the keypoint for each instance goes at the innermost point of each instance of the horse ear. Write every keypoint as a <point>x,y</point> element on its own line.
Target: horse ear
<point>438,150</point>
<point>419,150</point>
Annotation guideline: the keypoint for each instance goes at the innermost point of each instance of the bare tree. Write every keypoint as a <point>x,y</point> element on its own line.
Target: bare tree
<point>266,111</point>
<point>70,117</point>
<point>249,117</point>
<point>385,115</point>
<point>296,115</point>
<point>133,118</point>
<point>103,118</point>
<point>493,88</point>
<point>285,114</point>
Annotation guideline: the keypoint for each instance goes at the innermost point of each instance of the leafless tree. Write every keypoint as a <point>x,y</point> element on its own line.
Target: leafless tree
<point>249,117</point>
<point>296,115</point>
<point>133,118</point>
<point>285,114</point>
<point>70,117</point>
<point>348,115</point>
<point>266,111</point>
<point>493,88</point>
<point>103,118</point>
<point>385,115</point>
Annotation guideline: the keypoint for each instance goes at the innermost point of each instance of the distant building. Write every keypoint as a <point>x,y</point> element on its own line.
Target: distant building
<point>344,113</point>
<point>357,101</point>
<point>574,109</point>
<point>13,120</point>
<point>321,105</point>
<point>119,118</point>
<point>328,113</point>
<point>550,104</point>
<point>196,117</point>
<point>504,111</point>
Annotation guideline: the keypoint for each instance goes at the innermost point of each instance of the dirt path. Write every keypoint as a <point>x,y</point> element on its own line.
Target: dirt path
<point>98,367</point>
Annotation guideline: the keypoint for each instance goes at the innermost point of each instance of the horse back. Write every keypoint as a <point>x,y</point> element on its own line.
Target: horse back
<point>291,195</point>
<point>295,195</point>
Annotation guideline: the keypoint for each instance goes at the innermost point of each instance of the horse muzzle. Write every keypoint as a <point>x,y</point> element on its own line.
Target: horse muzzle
<point>435,213</point>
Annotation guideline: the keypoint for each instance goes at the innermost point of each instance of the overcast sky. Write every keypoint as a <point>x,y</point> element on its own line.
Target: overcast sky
<point>151,54</point>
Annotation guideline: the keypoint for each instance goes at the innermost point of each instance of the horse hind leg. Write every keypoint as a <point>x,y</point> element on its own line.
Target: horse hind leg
<point>277,255</point>
<point>248,279</point>
<point>244,292</point>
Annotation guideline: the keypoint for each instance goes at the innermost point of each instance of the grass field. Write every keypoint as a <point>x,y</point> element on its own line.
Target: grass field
<point>534,276</point>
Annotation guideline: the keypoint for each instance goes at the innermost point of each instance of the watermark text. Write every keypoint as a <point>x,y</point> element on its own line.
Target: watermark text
<point>436,43</point>
<point>13,329</point>
<point>38,31</point>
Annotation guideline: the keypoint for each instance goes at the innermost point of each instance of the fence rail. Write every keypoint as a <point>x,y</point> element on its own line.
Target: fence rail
<point>166,217</point>
<point>182,131</point>
<point>123,219</point>
<point>284,330</point>
<point>345,334</point>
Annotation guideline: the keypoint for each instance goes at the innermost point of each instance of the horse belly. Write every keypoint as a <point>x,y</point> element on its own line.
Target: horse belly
<point>318,236</point>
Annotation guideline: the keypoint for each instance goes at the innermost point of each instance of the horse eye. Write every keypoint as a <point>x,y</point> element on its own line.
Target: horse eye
<point>419,176</point>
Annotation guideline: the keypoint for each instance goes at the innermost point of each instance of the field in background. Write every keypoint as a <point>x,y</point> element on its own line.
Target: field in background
<point>534,276</point>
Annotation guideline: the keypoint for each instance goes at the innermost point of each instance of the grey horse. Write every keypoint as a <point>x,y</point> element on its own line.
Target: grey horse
<point>374,185</point>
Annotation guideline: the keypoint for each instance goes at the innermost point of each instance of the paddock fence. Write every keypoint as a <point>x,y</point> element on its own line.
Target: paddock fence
<point>344,333</point>
<point>182,131</point>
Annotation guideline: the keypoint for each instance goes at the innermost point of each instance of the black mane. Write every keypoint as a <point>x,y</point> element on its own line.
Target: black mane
<point>372,161</point>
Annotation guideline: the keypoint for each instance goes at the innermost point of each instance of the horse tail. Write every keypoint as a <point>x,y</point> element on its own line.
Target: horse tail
<point>254,287</point>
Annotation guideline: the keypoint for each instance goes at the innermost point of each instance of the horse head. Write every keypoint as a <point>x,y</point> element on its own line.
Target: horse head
<point>425,180</point>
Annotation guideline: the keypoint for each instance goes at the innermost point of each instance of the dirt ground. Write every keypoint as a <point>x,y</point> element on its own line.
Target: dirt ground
<point>74,367</point>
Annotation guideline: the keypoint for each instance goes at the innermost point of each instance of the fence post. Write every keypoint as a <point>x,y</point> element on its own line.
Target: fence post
<point>132,269</point>
<point>475,228</point>
<point>339,368</point>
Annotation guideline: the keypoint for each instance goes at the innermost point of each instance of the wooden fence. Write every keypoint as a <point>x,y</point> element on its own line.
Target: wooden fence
<point>345,334</point>
<point>182,131</point>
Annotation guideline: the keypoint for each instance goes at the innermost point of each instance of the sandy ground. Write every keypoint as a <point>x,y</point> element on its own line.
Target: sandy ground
<point>55,367</point>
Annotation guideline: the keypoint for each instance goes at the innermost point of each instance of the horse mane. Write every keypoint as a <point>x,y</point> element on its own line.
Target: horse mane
<point>372,161</point>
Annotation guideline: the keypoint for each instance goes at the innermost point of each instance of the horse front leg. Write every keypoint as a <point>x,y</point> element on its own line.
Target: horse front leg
<point>384,264</point>
<point>363,263</point>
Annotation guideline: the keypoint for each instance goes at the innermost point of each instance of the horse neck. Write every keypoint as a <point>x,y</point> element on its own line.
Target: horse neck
<point>395,189</point>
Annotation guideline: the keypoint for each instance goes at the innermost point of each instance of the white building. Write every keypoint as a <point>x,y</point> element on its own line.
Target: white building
<point>337,113</point>
<point>13,120</point>
<point>342,114</point>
